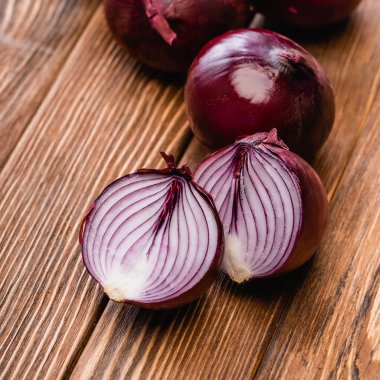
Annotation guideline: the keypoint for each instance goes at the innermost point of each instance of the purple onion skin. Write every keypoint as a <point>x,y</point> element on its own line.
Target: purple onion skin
<point>315,210</point>
<point>249,81</point>
<point>167,34</point>
<point>306,13</point>
<point>314,203</point>
<point>210,275</point>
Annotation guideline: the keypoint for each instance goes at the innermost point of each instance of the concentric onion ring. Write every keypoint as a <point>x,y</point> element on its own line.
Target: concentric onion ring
<point>153,238</point>
<point>269,201</point>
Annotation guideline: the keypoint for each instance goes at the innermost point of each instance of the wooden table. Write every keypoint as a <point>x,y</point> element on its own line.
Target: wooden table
<point>76,112</point>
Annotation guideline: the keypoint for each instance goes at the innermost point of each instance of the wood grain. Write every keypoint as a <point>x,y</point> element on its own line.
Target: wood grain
<point>331,329</point>
<point>104,116</point>
<point>35,39</point>
<point>226,334</point>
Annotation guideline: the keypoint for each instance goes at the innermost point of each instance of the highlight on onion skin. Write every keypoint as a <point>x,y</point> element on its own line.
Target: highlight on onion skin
<point>249,81</point>
<point>272,204</point>
<point>153,238</point>
<point>167,34</point>
<point>306,13</point>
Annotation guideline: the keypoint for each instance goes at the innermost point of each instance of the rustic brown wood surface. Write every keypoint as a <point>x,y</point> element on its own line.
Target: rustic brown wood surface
<point>76,112</point>
<point>36,37</point>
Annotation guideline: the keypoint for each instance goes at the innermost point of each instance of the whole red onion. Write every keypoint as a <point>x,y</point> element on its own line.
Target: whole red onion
<point>272,204</point>
<point>306,13</point>
<point>153,238</point>
<point>167,34</point>
<point>248,81</point>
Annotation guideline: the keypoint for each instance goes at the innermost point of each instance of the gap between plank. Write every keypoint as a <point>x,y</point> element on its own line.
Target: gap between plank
<point>86,336</point>
<point>48,89</point>
<point>99,311</point>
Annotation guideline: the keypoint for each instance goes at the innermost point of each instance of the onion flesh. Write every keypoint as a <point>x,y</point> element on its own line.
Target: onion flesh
<point>153,238</point>
<point>167,34</point>
<point>271,202</point>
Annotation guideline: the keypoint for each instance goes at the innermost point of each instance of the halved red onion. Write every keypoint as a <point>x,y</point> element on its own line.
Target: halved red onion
<point>272,204</point>
<point>153,238</point>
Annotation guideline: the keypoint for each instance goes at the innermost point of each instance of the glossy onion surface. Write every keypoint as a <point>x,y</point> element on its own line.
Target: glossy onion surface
<point>271,202</point>
<point>248,81</point>
<point>167,34</point>
<point>153,238</point>
<point>306,13</point>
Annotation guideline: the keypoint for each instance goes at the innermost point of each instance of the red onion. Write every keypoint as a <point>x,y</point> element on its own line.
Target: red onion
<point>167,34</point>
<point>153,238</point>
<point>248,81</point>
<point>272,204</point>
<point>306,13</point>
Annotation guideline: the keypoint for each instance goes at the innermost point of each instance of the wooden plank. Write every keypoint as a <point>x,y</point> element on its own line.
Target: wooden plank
<point>104,116</point>
<point>332,328</point>
<point>227,332</point>
<point>35,39</point>
<point>351,57</point>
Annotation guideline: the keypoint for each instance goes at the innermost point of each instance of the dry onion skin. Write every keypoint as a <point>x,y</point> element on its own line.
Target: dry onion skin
<point>167,34</point>
<point>153,238</point>
<point>252,80</point>
<point>272,204</point>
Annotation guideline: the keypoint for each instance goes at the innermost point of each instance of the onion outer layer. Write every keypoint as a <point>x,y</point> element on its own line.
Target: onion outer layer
<point>250,80</point>
<point>272,204</point>
<point>167,34</point>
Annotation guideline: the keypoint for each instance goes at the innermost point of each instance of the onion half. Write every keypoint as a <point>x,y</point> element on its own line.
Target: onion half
<point>153,238</point>
<point>272,204</point>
